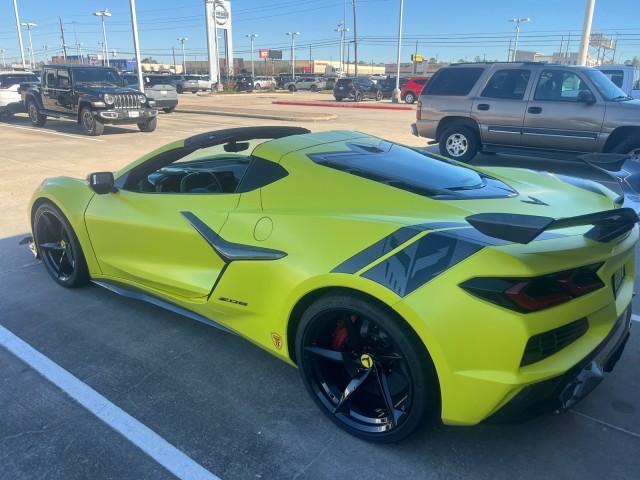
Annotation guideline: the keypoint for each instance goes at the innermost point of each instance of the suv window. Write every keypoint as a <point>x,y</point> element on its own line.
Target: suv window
<point>50,78</point>
<point>510,84</point>
<point>63,79</point>
<point>559,86</point>
<point>419,81</point>
<point>616,76</point>
<point>453,81</point>
<point>7,81</point>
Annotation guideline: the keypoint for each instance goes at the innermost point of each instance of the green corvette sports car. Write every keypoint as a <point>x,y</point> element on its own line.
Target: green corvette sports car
<point>403,285</point>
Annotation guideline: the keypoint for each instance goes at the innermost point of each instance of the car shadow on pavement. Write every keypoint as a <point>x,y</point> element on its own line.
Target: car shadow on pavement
<point>66,126</point>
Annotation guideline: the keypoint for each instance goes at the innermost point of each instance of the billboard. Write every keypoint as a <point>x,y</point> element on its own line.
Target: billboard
<point>263,53</point>
<point>275,54</point>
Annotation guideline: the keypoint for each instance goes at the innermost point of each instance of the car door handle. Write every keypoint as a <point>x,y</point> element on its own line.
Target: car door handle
<point>483,106</point>
<point>534,110</point>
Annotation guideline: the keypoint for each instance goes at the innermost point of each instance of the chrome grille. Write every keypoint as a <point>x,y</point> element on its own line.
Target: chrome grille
<point>126,102</point>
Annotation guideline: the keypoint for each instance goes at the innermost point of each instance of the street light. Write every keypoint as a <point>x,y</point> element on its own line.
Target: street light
<point>29,26</point>
<point>293,53</point>
<point>395,96</point>
<point>586,32</point>
<point>252,36</point>
<point>184,58</point>
<point>102,14</point>
<point>342,30</point>
<point>15,9</point>
<point>517,22</point>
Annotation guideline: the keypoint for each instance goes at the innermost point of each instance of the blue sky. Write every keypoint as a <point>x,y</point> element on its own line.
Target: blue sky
<point>448,30</point>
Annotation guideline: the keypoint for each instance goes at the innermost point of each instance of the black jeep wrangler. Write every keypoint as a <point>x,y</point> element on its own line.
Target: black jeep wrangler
<point>93,96</point>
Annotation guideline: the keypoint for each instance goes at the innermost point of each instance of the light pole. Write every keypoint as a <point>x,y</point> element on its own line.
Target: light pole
<point>136,43</point>
<point>251,37</point>
<point>102,14</point>
<point>184,57</point>
<point>4,61</point>
<point>586,32</point>
<point>29,26</point>
<point>395,97</point>
<point>15,9</point>
<point>293,53</point>
<point>342,30</point>
<point>79,49</point>
<point>46,48</point>
<point>517,22</point>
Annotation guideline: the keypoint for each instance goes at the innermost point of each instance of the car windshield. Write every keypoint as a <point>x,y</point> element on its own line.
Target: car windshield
<point>96,75</point>
<point>7,81</point>
<point>606,87</point>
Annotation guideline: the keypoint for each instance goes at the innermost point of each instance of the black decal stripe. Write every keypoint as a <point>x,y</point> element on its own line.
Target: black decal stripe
<point>422,261</point>
<point>229,251</point>
<point>388,243</point>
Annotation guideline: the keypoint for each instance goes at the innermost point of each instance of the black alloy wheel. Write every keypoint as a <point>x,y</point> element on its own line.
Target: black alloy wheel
<point>365,371</point>
<point>58,247</point>
<point>90,124</point>
<point>37,119</point>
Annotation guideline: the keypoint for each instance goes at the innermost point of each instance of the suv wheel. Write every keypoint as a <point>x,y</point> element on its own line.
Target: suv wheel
<point>313,88</point>
<point>37,119</point>
<point>148,126</point>
<point>630,147</point>
<point>89,123</point>
<point>460,143</point>
<point>292,88</point>
<point>379,95</point>
<point>409,97</point>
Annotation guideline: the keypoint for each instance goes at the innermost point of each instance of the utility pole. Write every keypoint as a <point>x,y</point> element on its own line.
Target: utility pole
<point>4,61</point>
<point>252,36</point>
<point>586,32</point>
<point>136,43</point>
<point>355,37</point>
<point>79,52</point>
<point>415,62</point>
<point>293,53</point>
<point>395,96</point>
<point>173,51</point>
<point>64,44</point>
<point>102,14</point>
<point>311,70</point>
<point>184,58</point>
<point>15,9</point>
<point>509,51</point>
<point>517,22</point>
<point>32,58</point>
<point>342,31</point>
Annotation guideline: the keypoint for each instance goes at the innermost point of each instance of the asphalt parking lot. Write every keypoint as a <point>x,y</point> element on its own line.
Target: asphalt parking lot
<point>229,407</point>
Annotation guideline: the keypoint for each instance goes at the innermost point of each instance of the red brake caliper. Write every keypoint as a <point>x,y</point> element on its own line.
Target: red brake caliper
<point>340,337</point>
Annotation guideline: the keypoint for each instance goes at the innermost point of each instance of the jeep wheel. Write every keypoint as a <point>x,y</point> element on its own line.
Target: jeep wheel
<point>90,124</point>
<point>460,143</point>
<point>409,97</point>
<point>37,119</point>
<point>630,147</point>
<point>148,126</point>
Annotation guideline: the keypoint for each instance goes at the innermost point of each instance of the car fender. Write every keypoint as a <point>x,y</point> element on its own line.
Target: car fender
<point>33,95</point>
<point>71,196</point>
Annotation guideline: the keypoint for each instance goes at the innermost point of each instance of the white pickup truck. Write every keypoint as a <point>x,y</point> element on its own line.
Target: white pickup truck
<point>627,77</point>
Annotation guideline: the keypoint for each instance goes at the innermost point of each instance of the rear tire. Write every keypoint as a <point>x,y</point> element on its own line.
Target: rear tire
<point>292,88</point>
<point>313,88</point>
<point>90,124</point>
<point>37,119</point>
<point>179,89</point>
<point>149,125</point>
<point>58,247</point>
<point>459,143</point>
<point>629,146</point>
<point>399,390</point>
<point>409,98</point>
<point>379,96</point>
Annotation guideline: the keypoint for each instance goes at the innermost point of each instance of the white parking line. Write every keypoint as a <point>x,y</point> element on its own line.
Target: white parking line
<point>137,433</point>
<point>43,130</point>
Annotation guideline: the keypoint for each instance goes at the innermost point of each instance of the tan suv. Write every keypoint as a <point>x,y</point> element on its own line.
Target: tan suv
<point>502,107</point>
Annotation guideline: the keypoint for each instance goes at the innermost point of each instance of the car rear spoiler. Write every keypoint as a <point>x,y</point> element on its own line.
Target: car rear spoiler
<point>513,227</point>
<point>607,225</point>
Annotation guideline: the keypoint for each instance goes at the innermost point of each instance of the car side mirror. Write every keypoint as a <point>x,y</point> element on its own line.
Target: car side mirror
<point>585,96</point>
<point>102,182</point>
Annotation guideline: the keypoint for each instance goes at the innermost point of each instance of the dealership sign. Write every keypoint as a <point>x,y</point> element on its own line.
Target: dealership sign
<point>264,53</point>
<point>218,16</point>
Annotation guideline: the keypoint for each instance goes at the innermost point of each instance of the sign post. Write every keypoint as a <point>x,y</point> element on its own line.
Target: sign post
<point>218,16</point>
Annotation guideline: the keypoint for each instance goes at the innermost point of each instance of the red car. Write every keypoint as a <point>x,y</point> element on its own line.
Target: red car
<point>412,89</point>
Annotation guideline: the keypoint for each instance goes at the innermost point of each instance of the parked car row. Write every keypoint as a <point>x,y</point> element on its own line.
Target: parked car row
<point>535,107</point>
<point>157,88</point>
<point>10,98</point>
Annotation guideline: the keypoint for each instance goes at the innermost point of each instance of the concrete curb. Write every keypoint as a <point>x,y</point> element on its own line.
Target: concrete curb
<point>288,118</point>
<point>343,105</point>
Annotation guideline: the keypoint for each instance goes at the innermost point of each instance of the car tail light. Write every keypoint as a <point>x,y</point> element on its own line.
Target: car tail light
<point>536,293</point>
<point>419,110</point>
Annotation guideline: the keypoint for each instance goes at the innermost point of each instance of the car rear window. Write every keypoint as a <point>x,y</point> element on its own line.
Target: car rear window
<point>7,81</point>
<point>453,81</point>
<point>411,170</point>
<point>344,81</point>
